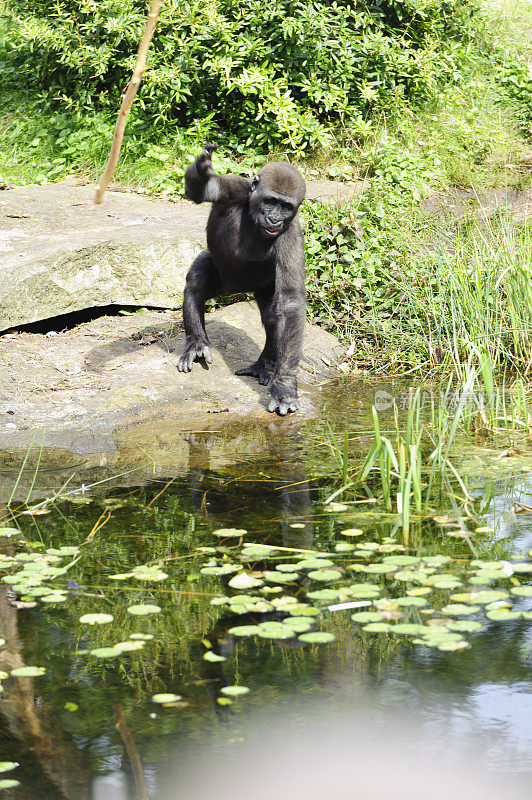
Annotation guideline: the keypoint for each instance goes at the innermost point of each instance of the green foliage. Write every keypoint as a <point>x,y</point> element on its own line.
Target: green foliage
<point>280,75</point>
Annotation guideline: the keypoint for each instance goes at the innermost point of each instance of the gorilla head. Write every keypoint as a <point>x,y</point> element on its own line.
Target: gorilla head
<point>276,194</point>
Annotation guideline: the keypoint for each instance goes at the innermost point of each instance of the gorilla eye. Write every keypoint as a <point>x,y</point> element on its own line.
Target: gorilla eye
<point>254,183</point>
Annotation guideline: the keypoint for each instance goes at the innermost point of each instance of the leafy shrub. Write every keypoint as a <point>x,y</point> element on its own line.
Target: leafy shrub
<point>286,74</point>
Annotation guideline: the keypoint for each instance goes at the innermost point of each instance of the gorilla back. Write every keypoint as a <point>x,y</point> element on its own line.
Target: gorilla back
<point>255,245</point>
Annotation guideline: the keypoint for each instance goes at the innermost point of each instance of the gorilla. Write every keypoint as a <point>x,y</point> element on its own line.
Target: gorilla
<point>255,245</point>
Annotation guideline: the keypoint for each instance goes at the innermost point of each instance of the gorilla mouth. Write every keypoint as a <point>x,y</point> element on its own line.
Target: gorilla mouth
<point>272,231</point>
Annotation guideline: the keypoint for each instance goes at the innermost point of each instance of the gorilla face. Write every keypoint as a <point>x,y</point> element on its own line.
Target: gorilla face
<point>276,194</point>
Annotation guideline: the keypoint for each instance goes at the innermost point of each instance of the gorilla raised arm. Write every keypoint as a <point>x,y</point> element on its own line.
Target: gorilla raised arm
<point>255,245</point>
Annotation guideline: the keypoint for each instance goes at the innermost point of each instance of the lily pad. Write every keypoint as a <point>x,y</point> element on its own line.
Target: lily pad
<point>503,615</point>
<point>96,619</point>
<point>7,532</point>
<point>521,591</point>
<point>465,625</point>
<point>299,624</point>
<point>9,783</point>
<point>143,610</point>
<point>210,656</point>
<point>128,646</point>
<point>352,532</point>
<point>229,533</point>
<point>281,577</point>
<point>222,569</point>
<point>408,628</point>
<point>367,616</point>
<point>411,602</point>
<point>377,627</point>
<point>379,569</point>
<point>166,697</point>
<point>234,691</point>
<point>244,630</point>
<point>363,591</point>
<point>317,637</point>
<point>141,637</point>
<point>402,560</point>
<point>27,672</point>
<point>106,652</point>
<point>450,647</point>
<point>315,563</point>
<point>324,594</point>
<point>325,575</point>
<point>245,581</point>
<point>459,609</point>
<point>274,630</point>
<point>7,766</point>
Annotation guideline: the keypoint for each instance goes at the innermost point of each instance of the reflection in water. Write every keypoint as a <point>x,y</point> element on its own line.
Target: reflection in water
<point>342,754</point>
<point>283,498</point>
<point>482,695</point>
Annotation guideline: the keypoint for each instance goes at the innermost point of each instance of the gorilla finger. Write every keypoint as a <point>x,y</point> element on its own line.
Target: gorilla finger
<point>245,371</point>
<point>206,353</point>
<point>264,380</point>
<point>283,409</point>
<point>272,406</point>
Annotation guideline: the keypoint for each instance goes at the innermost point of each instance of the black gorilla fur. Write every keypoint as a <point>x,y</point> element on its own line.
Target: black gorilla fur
<point>255,245</point>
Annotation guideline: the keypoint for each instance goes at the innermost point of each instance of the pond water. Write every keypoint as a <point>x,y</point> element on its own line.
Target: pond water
<point>89,728</point>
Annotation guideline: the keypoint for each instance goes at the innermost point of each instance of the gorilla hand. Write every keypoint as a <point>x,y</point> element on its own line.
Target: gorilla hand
<point>194,351</point>
<point>204,160</point>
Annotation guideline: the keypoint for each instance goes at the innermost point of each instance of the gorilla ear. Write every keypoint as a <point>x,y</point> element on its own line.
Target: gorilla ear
<point>254,183</point>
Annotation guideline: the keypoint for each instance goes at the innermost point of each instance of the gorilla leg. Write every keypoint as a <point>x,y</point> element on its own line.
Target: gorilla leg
<point>264,366</point>
<point>202,283</point>
<point>289,336</point>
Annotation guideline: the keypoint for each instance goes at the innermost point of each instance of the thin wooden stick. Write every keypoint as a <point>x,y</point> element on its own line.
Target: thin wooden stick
<point>127,99</point>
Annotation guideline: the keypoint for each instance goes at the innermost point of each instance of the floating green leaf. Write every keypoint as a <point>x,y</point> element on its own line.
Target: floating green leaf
<point>244,581</point>
<point>96,619</point>
<point>244,630</point>
<point>128,646</point>
<point>377,627</point>
<point>105,652</point>
<point>281,577</point>
<point>413,602</point>
<point>324,594</point>
<point>317,637</point>
<point>315,563</point>
<point>234,691</point>
<point>7,532</point>
<point>325,575</point>
<point>7,766</point>
<point>503,615</point>
<point>228,533</point>
<point>210,656</point>
<point>522,591</point>
<point>142,610</point>
<point>27,672</point>
<point>9,783</point>
<point>464,625</point>
<point>165,698</point>
<point>367,616</point>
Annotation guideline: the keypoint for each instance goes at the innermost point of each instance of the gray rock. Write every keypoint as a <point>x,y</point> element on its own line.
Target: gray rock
<point>61,253</point>
<point>81,389</point>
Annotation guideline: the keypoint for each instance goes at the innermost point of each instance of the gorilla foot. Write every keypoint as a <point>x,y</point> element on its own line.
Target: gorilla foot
<point>260,370</point>
<point>284,397</point>
<point>194,352</point>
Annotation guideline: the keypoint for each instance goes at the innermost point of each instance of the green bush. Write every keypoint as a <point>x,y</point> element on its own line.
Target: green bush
<point>280,75</point>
